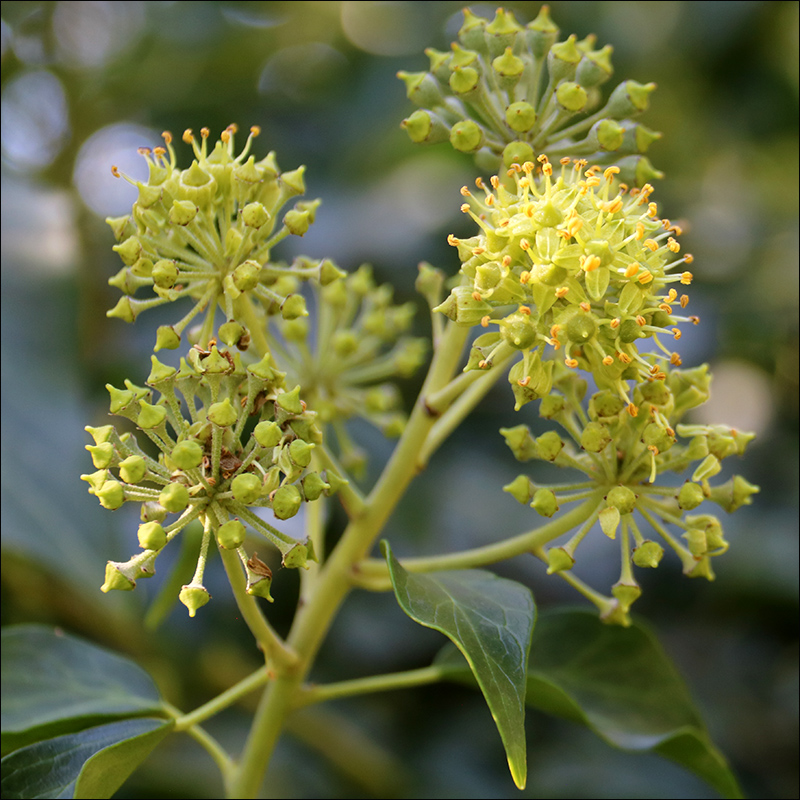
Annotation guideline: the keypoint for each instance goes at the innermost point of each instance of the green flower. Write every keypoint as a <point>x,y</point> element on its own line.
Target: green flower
<point>623,459</point>
<point>347,364</point>
<point>245,443</point>
<point>207,233</point>
<point>504,91</point>
<point>588,266</point>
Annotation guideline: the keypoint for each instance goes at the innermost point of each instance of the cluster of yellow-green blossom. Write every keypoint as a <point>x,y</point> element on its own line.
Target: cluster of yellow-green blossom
<point>621,457</point>
<point>345,361</point>
<point>505,91</point>
<point>207,233</point>
<point>587,268</point>
<point>246,443</point>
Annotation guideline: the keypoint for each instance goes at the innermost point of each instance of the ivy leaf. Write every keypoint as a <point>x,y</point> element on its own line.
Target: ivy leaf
<point>93,763</point>
<point>620,684</point>
<point>54,683</point>
<point>490,620</point>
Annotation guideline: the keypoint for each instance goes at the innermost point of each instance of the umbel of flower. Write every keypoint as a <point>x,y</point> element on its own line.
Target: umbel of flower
<point>347,364</point>
<point>587,267</point>
<point>504,91</point>
<point>207,233</point>
<point>246,443</point>
<point>622,458</point>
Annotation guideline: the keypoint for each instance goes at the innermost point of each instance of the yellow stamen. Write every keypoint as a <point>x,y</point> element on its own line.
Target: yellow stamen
<point>562,291</point>
<point>686,278</point>
<point>632,270</point>
<point>608,361</point>
<point>610,172</point>
<point>673,245</point>
<point>590,263</point>
<point>571,363</point>
<point>651,244</point>
<point>684,300</point>
<point>524,277</point>
<point>676,332</point>
<point>641,321</point>
<point>645,277</point>
<point>633,410</point>
<point>485,321</point>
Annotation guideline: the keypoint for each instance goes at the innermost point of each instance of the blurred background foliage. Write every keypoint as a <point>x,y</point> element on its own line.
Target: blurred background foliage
<point>85,83</point>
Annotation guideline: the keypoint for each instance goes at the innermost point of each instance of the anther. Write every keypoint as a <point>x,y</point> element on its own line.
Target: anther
<point>686,278</point>
<point>684,300</point>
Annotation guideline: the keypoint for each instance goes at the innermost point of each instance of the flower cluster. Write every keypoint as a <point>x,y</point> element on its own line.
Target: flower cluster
<point>621,457</point>
<point>247,442</point>
<point>207,232</point>
<point>505,91</point>
<point>588,264</point>
<point>346,362</point>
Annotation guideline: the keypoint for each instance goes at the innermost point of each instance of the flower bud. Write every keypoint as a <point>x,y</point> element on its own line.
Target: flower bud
<point>268,434</point>
<point>628,99</point>
<point>187,454</point>
<point>165,274</point>
<point>254,215</point>
<point>517,153</point>
<point>626,592</point>
<point>246,488</point>
<point>466,136</point>
<point>548,446</point>
<point>520,442</point>
<point>551,406</point>
<point>151,536</point>
<point>622,498</point>
<point>509,66</point>
<point>119,576</point>
<point>595,67</point>
<point>133,469</point>
<point>286,501</point>
<point>294,306</point>
<point>223,413</point>
<point>545,503</point>
<point>124,309</point>
<point>297,556</point>
<point>595,437</point>
<point>231,535</point>
<point>422,89</point>
<point>231,333</point>
<point>690,496</point>
<point>734,493</point>
<point>648,554</point>
<point>129,251</point>
<point>609,521</point>
<point>521,489</point>
<point>194,596</point>
<point>571,97</point>
<point>462,307</point>
<point>559,560</point>
<point>111,495</point>
<point>563,60</point>
<point>102,454</point>
<point>167,338</point>
<point>520,117</point>
<point>174,497</point>
<point>290,401</point>
<point>182,212</point>
<point>245,276</point>
<point>696,541</point>
<point>314,486</point>
<point>150,416</point>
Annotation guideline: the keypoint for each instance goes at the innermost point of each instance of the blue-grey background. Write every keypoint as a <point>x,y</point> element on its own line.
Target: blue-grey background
<point>85,83</point>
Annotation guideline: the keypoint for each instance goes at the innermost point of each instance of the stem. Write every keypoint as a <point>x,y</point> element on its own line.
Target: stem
<point>375,683</point>
<point>314,618</point>
<point>373,573</point>
<point>271,644</point>
<point>222,701</point>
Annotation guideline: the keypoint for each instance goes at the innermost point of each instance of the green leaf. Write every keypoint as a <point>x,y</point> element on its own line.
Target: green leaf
<point>618,682</point>
<point>92,763</point>
<point>490,620</point>
<point>53,683</point>
<point>623,686</point>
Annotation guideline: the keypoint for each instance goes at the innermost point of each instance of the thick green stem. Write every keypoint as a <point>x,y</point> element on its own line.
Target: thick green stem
<point>334,582</point>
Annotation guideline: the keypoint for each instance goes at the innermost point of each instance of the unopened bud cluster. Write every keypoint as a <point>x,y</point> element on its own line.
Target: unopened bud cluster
<point>246,442</point>
<point>622,457</point>
<point>588,267</point>
<point>207,233</point>
<point>347,362</point>
<point>505,91</point>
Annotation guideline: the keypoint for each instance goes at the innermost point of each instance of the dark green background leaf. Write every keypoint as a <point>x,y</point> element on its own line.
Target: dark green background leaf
<point>621,684</point>
<point>52,768</point>
<point>53,683</point>
<point>490,620</point>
